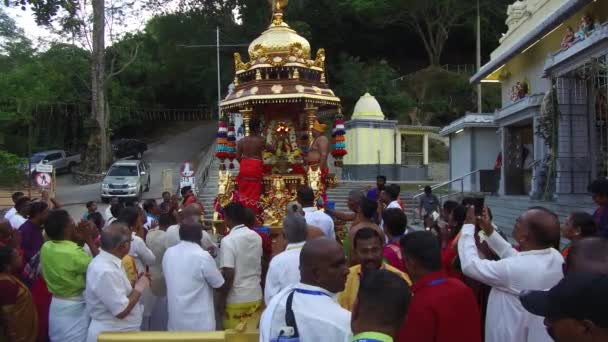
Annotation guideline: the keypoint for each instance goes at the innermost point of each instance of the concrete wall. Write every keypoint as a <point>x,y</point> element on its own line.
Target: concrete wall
<point>530,64</point>
<point>392,172</point>
<point>364,138</point>
<point>471,150</point>
<point>460,157</point>
<point>487,148</point>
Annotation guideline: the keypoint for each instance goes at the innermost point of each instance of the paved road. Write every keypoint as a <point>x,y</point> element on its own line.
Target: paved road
<point>168,153</point>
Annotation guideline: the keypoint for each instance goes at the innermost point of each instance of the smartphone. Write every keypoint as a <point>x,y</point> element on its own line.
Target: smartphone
<point>479,203</point>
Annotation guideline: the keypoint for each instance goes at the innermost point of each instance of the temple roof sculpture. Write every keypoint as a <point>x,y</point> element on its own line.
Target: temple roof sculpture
<point>280,70</point>
<point>367,108</point>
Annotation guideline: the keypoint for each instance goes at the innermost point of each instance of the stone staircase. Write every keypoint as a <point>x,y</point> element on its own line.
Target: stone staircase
<point>339,195</point>
<point>506,209</point>
<point>208,190</point>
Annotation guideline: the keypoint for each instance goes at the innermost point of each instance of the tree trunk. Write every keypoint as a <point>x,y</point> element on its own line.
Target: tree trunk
<point>98,147</point>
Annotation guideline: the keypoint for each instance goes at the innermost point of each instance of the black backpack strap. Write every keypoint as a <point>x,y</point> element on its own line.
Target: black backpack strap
<point>290,318</point>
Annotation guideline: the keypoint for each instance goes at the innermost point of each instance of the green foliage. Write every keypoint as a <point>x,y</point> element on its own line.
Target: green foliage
<point>12,169</point>
<point>440,96</point>
<point>354,78</point>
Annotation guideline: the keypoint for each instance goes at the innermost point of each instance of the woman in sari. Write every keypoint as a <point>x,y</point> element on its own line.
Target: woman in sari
<point>18,318</point>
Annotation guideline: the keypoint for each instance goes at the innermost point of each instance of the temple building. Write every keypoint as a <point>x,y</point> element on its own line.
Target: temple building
<point>552,64</point>
<point>378,146</point>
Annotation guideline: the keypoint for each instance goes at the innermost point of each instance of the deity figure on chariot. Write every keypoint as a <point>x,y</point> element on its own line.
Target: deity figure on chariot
<point>282,95</point>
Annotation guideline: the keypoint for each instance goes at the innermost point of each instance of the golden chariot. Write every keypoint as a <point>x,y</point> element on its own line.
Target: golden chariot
<point>286,89</point>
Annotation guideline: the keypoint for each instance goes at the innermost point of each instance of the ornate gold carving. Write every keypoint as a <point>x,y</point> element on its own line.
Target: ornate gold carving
<point>236,81</point>
<point>300,88</point>
<point>238,63</point>
<point>240,93</point>
<point>320,60</point>
<point>314,178</point>
<point>277,88</point>
<point>225,188</point>
<point>254,90</point>
<point>258,51</point>
<point>296,74</point>
<point>323,78</point>
<point>317,90</point>
<point>258,75</point>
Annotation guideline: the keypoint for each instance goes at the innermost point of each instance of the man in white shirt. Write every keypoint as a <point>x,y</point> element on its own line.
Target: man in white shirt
<point>314,216</point>
<point>190,214</point>
<point>156,241</point>
<point>389,197</point>
<point>537,266</point>
<point>284,269</point>
<point>12,211</point>
<point>134,219</point>
<point>191,275</point>
<point>318,317</point>
<point>108,212</point>
<point>240,262</point>
<point>111,301</point>
<point>23,208</point>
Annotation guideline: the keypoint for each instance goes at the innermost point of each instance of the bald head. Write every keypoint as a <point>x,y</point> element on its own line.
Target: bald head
<point>114,237</point>
<point>191,232</point>
<point>354,199</point>
<point>543,227</point>
<point>322,264</point>
<point>190,214</point>
<point>589,255</point>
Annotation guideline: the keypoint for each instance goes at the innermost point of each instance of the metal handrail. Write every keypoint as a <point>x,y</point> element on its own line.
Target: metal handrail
<point>441,185</point>
<point>205,166</point>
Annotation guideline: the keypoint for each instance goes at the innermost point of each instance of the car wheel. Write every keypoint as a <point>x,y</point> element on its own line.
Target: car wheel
<point>105,200</point>
<point>148,185</point>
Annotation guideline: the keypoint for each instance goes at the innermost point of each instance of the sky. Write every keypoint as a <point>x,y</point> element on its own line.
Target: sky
<point>42,36</point>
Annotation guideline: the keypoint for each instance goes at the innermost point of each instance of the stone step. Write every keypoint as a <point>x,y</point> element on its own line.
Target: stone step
<point>506,209</point>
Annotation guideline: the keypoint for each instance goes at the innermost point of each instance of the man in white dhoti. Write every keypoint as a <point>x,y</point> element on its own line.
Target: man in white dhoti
<point>64,264</point>
<point>111,301</point>
<point>191,275</point>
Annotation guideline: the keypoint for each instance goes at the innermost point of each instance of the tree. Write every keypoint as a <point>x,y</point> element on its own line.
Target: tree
<point>432,21</point>
<point>75,17</point>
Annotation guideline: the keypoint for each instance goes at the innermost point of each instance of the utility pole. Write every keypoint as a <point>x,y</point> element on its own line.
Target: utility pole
<point>217,46</point>
<point>219,85</point>
<point>479,101</point>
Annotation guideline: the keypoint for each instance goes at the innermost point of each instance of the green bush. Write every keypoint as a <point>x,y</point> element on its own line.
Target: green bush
<point>12,170</point>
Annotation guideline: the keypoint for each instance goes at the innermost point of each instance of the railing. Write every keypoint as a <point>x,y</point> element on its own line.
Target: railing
<point>450,182</point>
<point>202,172</point>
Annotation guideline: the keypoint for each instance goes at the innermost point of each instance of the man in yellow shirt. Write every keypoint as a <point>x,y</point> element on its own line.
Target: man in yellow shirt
<point>368,247</point>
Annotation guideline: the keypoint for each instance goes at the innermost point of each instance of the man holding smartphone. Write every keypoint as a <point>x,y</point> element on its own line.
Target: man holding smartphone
<point>536,266</point>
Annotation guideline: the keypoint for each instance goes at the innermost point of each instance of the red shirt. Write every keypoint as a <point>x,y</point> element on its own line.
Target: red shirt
<point>443,309</point>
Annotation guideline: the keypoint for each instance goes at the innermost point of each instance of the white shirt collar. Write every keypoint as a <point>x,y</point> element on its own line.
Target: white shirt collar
<point>310,209</point>
<point>110,257</point>
<point>297,245</point>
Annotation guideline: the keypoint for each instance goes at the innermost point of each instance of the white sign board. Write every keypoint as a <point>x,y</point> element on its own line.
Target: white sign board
<point>43,180</point>
<point>188,181</point>
<point>186,170</point>
<point>44,168</point>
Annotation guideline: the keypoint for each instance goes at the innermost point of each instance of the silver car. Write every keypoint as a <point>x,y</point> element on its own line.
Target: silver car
<point>126,179</point>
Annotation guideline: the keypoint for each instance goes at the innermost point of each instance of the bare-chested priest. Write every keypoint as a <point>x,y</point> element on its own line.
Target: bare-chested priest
<point>319,148</point>
<point>249,154</point>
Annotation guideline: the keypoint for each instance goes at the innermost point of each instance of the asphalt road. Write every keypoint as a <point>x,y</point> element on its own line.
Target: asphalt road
<point>167,153</point>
